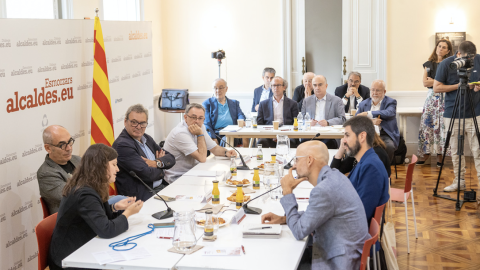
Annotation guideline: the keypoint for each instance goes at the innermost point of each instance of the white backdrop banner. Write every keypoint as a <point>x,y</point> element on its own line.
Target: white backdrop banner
<point>46,71</point>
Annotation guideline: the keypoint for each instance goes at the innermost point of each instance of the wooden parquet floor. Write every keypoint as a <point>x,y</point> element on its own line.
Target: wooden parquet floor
<point>447,239</point>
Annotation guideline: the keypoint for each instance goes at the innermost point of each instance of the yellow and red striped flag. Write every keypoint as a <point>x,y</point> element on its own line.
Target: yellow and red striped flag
<point>102,120</point>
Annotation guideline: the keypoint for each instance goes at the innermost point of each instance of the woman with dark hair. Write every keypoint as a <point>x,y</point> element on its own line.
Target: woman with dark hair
<point>431,135</point>
<point>345,164</point>
<point>84,210</point>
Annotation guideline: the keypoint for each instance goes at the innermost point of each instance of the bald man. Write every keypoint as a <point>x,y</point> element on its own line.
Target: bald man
<point>304,90</point>
<point>58,166</point>
<point>335,212</point>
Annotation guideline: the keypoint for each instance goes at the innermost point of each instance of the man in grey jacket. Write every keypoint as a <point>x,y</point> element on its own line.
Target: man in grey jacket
<point>335,213</point>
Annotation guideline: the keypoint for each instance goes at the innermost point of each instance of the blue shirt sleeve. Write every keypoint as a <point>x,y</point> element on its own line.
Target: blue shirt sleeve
<point>442,72</point>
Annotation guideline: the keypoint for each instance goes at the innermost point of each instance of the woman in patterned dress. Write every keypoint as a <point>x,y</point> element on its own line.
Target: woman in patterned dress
<point>431,136</point>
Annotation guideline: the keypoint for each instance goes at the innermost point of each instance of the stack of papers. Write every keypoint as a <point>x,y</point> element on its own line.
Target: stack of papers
<point>231,129</point>
<point>260,231</point>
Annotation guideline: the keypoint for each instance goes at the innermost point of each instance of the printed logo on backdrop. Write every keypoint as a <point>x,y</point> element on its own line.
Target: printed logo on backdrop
<point>23,234</point>
<point>138,56</point>
<point>108,60</point>
<point>8,158</point>
<point>120,119</point>
<point>118,38</point>
<point>32,257</point>
<point>28,42</point>
<point>2,73</point>
<point>37,148</point>
<point>146,72</point>
<point>148,54</point>
<point>73,40</point>
<point>44,122</point>
<point>136,74</point>
<point>27,205</point>
<point>71,64</point>
<point>50,67</point>
<point>117,59</point>
<point>87,85</point>
<point>126,77</point>
<point>150,124</point>
<point>52,41</point>
<point>107,39</point>
<point>79,134</point>
<point>114,80</point>
<point>28,179</point>
<point>87,63</point>
<point>118,100</point>
<point>5,187</point>
<point>42,97</point>
<point>22,71</point>
<point>89,40</point>
<point>128,57</point>
<point>5,43</point>
<point>17,265</point>
<point>137,35</point>
<point>3,217</point>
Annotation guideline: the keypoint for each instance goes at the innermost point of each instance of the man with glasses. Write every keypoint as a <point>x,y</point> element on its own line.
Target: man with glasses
<point>353,92</point>
<point>189,142</point>
<point>382,110</point>
<point>138,152</point>
<point>334,214</point>
<point>277,108</point>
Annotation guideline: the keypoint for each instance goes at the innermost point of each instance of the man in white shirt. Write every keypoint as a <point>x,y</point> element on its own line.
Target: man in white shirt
<point>353,92</point>
<point>264,91</point>
<point>189,141</point>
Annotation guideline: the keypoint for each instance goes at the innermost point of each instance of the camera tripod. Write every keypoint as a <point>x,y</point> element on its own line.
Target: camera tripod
<point>463,92</point>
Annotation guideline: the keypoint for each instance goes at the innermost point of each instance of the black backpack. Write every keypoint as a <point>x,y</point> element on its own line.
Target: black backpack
<point>400,153</point>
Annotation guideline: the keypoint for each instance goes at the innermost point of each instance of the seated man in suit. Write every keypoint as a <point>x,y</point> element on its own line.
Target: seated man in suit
<point>334,215</point>
<point>138,152</point>
<point>325,109</point>
<point>383,111</point>
<point>304,90</point>
<point>277,108</point>
<point>264,91</point>
<point>58,167</point>
<point>221,111</point>
<point>189,143</point>
<point>353,92</point>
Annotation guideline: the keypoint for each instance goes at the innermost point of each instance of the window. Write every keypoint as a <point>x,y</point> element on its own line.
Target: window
<point>30,9</point>
<point>122,10</point>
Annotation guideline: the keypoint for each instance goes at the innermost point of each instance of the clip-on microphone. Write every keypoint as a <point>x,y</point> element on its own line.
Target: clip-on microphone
<point>244,166</point>
<point>289,164</point>
<point>255,210</point>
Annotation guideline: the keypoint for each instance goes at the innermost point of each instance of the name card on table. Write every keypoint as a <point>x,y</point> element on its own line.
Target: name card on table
<point>239,216</point>
<point>207,197</point>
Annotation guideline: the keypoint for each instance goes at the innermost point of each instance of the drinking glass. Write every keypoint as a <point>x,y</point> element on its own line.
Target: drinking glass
<point>248,123</point>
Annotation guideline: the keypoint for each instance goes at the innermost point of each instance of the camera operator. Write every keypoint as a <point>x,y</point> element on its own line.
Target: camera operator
<point>447,81</point>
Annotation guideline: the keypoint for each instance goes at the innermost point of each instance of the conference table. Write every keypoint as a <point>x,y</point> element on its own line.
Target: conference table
<point>282,253</point>
<point>266,131</point>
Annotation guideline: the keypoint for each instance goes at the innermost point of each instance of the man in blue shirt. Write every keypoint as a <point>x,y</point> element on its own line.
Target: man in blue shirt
<point>264,91</point>
<point>447,81</point>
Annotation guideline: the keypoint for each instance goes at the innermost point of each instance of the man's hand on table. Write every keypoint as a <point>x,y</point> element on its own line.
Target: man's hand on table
<point>271,218</point>
<point>323,123</point>
<point>231,153</point>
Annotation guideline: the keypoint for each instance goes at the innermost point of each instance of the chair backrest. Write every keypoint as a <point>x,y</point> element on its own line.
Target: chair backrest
<point>379,213</point>
<point>367,246</point>
<point>44,231</point>
<point>46,212</point>
<point>408,180</point>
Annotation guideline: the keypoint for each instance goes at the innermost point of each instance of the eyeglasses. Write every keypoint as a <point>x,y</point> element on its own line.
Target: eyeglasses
<point>294,162</point>
<point>377,90</point>
<point>276,85</point>
<point>194,118</point>
<point>219,88</point>
<point>135,124</point>
<point>354,82</point>
<point>63,145</point>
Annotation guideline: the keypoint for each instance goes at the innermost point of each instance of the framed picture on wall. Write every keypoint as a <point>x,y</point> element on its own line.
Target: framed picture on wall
<point>454,37</point>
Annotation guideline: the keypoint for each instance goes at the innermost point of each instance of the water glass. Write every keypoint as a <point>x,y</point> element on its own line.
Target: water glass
<point>248,123</point>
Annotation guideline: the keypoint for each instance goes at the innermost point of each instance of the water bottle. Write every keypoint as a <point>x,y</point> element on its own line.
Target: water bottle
<point>307,121</point>
<point>301,123</point>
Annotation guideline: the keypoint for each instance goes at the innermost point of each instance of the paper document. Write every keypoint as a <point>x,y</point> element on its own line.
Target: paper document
<point>195,198</point>
<point>231,129</point>
<point>105,257</point>
<point>201,173</point>
<point>222,251</point>
<point>164,233</point>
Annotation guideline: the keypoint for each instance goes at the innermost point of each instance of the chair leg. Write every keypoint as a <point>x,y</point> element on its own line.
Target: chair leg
<point>406,220</point>
<point>414,217</point>
<point>378,261</point>
<point>368,263</point>
<point>396,175</point>
<point>374,256</point>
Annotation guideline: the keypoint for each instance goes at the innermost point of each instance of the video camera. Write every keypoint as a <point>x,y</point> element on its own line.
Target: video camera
<point>463,62</point>
<point>219,55</point>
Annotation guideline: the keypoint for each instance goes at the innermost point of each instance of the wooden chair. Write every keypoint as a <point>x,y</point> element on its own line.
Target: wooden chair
<point>374,230</point>
<point>46,212</point>
<point>44,231</point>
<point>402,195</point>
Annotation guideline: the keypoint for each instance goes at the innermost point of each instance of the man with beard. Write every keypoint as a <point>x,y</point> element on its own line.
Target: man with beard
<point>368,177</point>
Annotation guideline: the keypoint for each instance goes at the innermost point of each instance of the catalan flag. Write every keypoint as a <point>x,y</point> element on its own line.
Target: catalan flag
<point>102,120</point>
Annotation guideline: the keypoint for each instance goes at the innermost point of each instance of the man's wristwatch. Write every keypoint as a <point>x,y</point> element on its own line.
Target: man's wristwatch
<point>159,164</point>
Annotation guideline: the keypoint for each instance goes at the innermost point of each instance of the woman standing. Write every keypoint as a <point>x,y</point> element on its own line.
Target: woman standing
<point>84,210</point>
<point>431,136</point>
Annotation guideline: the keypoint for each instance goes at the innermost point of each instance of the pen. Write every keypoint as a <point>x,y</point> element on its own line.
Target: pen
<point>243,249</point>
<point>261,228</point>
<point>161,237</point>
<point>303,198</point>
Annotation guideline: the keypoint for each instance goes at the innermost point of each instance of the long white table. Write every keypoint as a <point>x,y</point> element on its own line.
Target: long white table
<point>267,131</point>
<point>283,253</point>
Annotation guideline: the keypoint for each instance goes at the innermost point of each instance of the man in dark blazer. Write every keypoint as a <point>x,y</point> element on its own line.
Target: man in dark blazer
<point>383,112</point>
<point>264,91</point>
<point>299,94</point>
<point>139,153</point>
<point>353,92</point>
<point>277,108</point>
<point>221,111</point>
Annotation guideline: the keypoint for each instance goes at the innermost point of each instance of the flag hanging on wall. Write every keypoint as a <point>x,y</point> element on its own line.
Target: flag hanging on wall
<point>102,120</point>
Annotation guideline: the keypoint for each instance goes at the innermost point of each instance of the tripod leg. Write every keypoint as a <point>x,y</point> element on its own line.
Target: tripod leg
<point>461,142</point>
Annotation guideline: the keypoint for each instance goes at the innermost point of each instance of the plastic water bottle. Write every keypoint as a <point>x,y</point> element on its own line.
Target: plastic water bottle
<point>301,123</point>
<point>307,121</point>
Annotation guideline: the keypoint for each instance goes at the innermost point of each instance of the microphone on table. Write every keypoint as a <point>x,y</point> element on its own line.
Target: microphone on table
<point>244,166</point>
<point>162,214</point>
<point>289,164</point>
<point>255,210</point>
